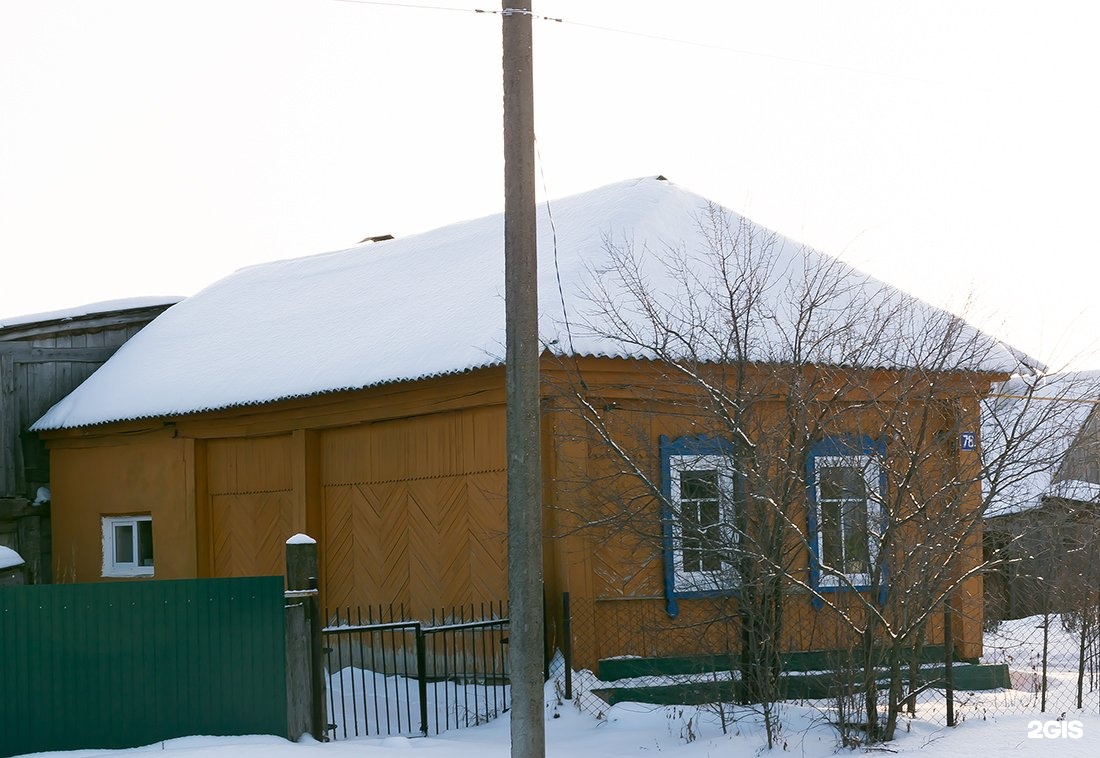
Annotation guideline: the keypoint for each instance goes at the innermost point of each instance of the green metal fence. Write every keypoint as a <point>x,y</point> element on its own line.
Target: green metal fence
<point>131,663</point>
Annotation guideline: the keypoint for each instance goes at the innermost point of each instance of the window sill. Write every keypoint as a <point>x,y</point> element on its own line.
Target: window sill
<point>128,574</point>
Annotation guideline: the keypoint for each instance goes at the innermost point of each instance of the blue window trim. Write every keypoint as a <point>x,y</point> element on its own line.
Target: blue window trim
<point>699,445</point>
<point>841,446</point>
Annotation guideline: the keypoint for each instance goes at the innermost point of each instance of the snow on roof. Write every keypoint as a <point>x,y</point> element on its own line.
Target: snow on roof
<point>1074,489</point>
<point>404,309</point>
<point>1028,427</point>
<point>105,306</point>
<point>9,558</point>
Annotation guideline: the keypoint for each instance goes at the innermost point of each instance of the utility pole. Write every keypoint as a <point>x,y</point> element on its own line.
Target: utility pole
<point>522,389</point>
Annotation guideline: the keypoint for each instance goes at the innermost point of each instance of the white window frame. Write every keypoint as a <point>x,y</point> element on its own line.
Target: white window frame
<point>113,568</point>
<point>725,578</point>
<point>871,469</point>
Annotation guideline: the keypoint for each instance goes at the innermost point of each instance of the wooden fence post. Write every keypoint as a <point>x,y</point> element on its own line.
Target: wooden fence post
<point>299,698</point>
<point>301,577</point>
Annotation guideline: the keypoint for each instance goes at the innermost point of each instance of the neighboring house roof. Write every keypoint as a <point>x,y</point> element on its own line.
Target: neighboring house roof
<point>422,306</point>
<point>1029,426</point>
<point>91,309</point>
<point>1074,489</point>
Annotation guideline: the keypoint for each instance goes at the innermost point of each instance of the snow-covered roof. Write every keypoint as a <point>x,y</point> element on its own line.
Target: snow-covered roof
<point>1074,489</point>
<point>91,309</point>
<point>9,558</point>
<point>1029,425</point>
<point>412,308</point>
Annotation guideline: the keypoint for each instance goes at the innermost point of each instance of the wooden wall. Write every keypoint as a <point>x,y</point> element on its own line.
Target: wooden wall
<point>144,474</point>
<point>409,511</point>
<point>404,488</point>
<point>414,511</point>
<point>608,550</point>
<point>32,379</point>
<point>40,363</point>
<point>250,491</point>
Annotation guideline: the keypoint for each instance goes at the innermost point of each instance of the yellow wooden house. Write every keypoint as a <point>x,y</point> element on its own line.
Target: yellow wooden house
<point>358,397</point>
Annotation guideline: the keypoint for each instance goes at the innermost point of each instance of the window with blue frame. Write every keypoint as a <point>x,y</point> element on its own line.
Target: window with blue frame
<point>846,491</point>
<point>700,487</point>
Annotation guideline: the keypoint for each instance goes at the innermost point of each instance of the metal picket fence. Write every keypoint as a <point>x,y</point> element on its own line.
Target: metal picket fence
<point>390,674</point>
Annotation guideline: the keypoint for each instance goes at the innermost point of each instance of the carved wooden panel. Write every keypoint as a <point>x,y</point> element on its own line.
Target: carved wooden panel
<point>249,533</point>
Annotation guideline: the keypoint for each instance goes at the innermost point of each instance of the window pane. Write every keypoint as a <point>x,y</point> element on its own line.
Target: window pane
<point>692,557</point>
<point>691,536</point>
<point>700,521</point>
<point>145,543</point>
<point>844,507</point>
<point>695,485</point>
<point>711,535</point>
<point>712,548</point>
<point>831,542</point>
<point>856,558</point>
<point>842,482</point>
<point>124,543</point>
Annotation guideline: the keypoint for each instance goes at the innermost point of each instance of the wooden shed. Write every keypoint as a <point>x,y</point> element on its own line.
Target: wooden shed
<point>43,357</point>
<point>358,397</point>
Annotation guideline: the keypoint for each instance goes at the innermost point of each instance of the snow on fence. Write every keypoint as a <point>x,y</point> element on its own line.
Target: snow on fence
<point>391,675</point>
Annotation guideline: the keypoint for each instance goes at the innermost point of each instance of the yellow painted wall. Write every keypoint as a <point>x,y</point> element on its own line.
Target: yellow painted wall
<point>145,474</point>
<point>251,508</point>
<point>227,488</point>
<point>414,512</point>
<point>609,545</point>
<point>404,488</point>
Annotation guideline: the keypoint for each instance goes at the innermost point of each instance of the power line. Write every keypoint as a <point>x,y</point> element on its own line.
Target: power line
<point>743,51</point>
<point>661,38</point>
<point>554,240</point>
<point>413,6</point>
<point>488,11</point>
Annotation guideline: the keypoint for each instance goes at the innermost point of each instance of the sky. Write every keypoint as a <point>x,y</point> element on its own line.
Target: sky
<point>151,147</point>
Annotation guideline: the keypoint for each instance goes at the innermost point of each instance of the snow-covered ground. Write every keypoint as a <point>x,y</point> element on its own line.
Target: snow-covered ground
<point>1019,643</point>
<point>636,730</point>
<point>363,702</point>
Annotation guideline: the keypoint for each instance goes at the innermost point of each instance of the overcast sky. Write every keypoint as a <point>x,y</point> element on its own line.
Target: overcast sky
<point>149,147</point>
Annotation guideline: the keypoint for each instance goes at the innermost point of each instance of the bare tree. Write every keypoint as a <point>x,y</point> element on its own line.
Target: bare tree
<point>825,480</point>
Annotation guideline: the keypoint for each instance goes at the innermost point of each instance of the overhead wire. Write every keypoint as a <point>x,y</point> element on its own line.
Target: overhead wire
<point>658,38</point>
<point>420,6</point>
<point>554,241</point>
<point>414,6</point>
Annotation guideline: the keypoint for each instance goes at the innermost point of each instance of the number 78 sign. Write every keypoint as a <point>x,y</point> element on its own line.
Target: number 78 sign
<point>968,441</point>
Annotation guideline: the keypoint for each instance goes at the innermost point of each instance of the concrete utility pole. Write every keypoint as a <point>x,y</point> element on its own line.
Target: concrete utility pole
<point>522,380</point>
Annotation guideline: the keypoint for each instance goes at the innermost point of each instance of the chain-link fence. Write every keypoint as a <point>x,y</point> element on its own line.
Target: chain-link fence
<point>626,650</point>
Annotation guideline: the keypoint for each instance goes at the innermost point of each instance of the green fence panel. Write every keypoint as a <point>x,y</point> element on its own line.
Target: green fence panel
<point>125,664</point>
